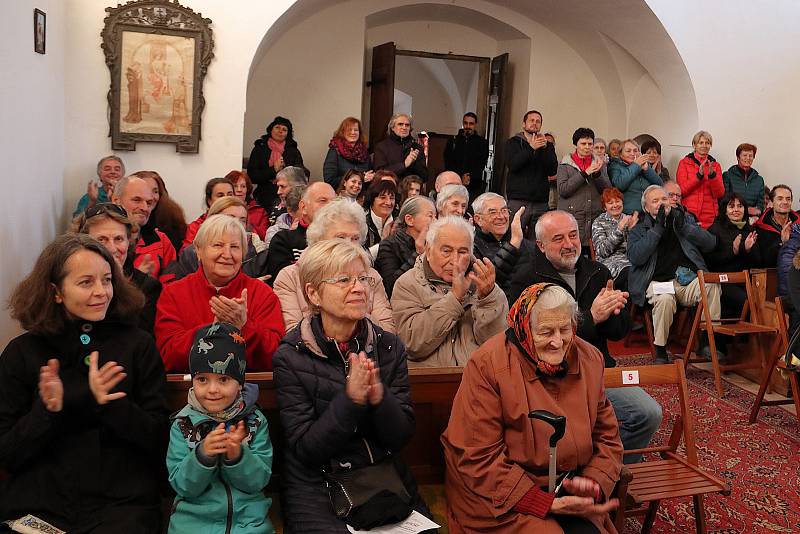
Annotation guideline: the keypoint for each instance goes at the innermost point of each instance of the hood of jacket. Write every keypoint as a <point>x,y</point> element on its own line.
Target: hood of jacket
<point>305,337</point>
<point>249,394</point>
<point>739,173</point>
<point>691,156</point>
<point>763,222</point>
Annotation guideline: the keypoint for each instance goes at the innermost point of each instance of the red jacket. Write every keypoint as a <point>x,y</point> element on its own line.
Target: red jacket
<point>258,218</point>
<point>700,196</point>
<point>191,231</point>
<point>184,307</point>
<point>162,251</point>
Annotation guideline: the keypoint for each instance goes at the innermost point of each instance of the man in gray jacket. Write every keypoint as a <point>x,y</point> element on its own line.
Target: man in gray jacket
<point>666,251</point>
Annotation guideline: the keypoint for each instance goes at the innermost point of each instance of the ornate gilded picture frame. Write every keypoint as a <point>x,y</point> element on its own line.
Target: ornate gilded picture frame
<point>157,52</point>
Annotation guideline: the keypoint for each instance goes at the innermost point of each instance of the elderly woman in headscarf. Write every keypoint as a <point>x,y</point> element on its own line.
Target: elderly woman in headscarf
<point>497,457</point>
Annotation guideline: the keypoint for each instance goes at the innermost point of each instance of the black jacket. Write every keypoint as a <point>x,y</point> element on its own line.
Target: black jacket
<point>396,255</point>
<point>373,233</point>
<point>722,259</point>
<point>590,278</point>
<point>501,253</point>
<point>323,426</point>
<point>87,459</point>
<point>285,249</point>
<point>152,290</point>
<point>529,170</point>
<point>468,154</point>
<point>390,154</point>
<point>263,174</point>
<point>336,166</point>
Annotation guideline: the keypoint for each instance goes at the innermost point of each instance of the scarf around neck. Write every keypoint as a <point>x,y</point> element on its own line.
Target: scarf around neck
<point>519,322</point>
<point>355,152</point>
<point>276,149</point>
<point>582,162</point>
<point>225,415</point>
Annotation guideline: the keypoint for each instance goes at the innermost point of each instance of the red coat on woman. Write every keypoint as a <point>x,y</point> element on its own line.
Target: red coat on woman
<point>184,307</point>
<point>191,230</point>
<point>701,195</point>
<point>257,218</point>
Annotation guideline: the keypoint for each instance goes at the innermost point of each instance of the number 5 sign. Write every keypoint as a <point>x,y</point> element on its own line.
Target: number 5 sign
<point>630,377</point>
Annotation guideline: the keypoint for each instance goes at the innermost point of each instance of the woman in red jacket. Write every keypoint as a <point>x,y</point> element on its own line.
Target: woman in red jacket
<point>218,292</point>
<point>700,178</point>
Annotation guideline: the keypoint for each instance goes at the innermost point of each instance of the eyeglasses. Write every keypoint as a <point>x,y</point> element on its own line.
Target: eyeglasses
<point>347,281</point>
<point>104,207</point>
<point>494,213</point>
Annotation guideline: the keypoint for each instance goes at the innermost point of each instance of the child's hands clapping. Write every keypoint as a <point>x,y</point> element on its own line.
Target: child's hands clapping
<point>233,443</point>
<point>216,441</point>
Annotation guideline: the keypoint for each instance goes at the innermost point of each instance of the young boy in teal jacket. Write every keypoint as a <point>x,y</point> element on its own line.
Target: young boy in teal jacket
<point>220,454</point>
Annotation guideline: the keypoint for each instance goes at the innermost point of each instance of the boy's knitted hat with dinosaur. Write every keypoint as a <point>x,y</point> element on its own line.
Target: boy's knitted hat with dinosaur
<point>218,348</point>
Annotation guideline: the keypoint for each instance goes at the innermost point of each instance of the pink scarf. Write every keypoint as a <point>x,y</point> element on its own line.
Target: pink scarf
<point>276,151</point>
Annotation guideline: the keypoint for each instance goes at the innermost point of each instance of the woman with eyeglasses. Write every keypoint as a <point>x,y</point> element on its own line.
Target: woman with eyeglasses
<point>342,388</point>
<point>339,219</point>
<point>219,291</point>
<point>110,225</point>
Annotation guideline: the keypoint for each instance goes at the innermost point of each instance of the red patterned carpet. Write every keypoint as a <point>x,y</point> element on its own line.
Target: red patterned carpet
<point>761,461</point>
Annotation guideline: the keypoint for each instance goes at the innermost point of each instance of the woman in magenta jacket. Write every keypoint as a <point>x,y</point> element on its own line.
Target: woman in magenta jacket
<point>700,178</point>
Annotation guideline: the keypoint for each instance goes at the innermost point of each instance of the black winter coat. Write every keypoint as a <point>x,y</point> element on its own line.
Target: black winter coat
<point>87,464</point>
<point>468,154</point>
<point>501,253</point>
<point>263,174</point>
<point>722,259</point>
<point>152,290</point>
<point>529,170</point>
<point>322,425</point>
<point>390,154</point>
<point>285,249</point>
<point>336,166</point>
<point>591,276</point>
<point>396,255</point>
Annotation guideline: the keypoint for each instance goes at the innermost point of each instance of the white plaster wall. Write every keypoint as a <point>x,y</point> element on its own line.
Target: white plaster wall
<point>31,142</point>
<point>741,57</point>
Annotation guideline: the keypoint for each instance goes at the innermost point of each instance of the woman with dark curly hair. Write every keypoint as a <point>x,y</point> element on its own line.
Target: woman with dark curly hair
<point>271,153</point>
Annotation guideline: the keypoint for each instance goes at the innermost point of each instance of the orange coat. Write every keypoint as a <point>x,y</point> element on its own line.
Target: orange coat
<point>495,453</point>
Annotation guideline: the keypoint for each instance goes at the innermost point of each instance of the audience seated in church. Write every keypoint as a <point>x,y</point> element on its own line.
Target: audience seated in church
<point>220,454</point>
<point>610,237</point>
<point>342,388</point>
<point>700,178</point>
<point>774,227</point>
<point>558,260</point>
<point>632,173</point>
<point>452,200</point>
<point>379,203</point>
<point>271,153</point>
<point>652,148</point>
<point>409,187</point>
<point>287,245</point>
<point>445,307</point>
<point>83,413</point>
<point>290,219</point>
<point>398,252</point>
<point>581,179</point>
<point>399,152</point>
<point>254,262</point>
<point>347,151</point>
<point>154,250</point>
<point>666,251</point>
<point>287,178</point>
<point>742,178</point>
<point>497,237</point>
<point>497,460</point>
<point>257,217</point>
<point>531,160</point>
<point>218,292</point>
<point>466,154</point>
<point>216,188</point>
<point>167,215</point>
<point>339,219</point>
<point>109,170</point>
<point>351,185</point>
<point>110,225</point>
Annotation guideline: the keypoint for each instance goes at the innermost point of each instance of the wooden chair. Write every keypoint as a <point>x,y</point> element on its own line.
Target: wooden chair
<point>644,485</point>
<point>776,359</point>
<point>731,327</point>
<point>592,252</point>
<point>647,319</point>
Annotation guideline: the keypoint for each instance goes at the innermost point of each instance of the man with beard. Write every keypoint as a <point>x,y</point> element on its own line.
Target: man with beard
<point>531,160</point>
<point>666,251</point>
<point>466,154</point>
<point>109,170</point>
<point>557,259</point>
<point>399,152</point>
<point>154,251</point>
<point>774,227</point>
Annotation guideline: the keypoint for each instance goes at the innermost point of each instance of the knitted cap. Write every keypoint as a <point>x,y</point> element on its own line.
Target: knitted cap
<point>218,348</point>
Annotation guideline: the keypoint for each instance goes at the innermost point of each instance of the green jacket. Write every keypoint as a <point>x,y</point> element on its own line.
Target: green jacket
<point>631,180</point>
<point>223,498</point>
<point>752,189</point>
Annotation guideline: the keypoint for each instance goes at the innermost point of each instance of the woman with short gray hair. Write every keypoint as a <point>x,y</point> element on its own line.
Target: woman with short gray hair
<point>399,152</point>
<point>452,200</point>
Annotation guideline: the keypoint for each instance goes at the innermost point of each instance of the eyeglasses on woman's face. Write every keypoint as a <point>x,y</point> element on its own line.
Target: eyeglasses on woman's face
<point>347,281</point>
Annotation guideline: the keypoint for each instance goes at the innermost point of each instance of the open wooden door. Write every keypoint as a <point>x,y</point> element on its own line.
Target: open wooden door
<point>495,167</point>
<point>381,99</point>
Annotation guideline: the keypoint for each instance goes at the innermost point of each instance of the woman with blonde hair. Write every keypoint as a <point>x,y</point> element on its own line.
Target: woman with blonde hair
<point>700,178</point>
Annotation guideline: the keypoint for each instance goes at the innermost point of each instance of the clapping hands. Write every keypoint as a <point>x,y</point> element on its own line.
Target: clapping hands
<point>51,389</point>
<point>608,302</point>
<point>232,311</point>
<point>229,443</point>
<point>364,384</point>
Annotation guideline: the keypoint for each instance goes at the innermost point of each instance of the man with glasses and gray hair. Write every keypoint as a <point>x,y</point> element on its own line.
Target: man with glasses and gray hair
<point>400,152</point>
<point>448,304</point>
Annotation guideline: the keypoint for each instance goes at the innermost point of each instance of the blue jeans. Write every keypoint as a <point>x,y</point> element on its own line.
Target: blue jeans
<point>639,416</point>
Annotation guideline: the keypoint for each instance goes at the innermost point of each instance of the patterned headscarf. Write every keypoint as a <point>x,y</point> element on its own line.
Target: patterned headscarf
<point>519,321</point>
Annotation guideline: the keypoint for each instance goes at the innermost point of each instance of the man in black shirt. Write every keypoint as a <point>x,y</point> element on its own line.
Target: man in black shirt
<point>666,251</point>
<point>466,154</point>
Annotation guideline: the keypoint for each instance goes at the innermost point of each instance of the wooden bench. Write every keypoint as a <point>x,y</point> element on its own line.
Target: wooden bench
<point>644,485</point>
<point>432,392</point>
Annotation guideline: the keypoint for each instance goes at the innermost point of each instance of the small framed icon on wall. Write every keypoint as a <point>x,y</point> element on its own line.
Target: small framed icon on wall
<point>39,30</point>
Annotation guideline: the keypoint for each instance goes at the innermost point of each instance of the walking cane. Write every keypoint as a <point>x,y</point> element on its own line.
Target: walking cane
<point>559,424</point>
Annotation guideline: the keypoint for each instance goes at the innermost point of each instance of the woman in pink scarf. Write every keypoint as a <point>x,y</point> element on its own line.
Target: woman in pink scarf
<point>700,178</point>
<point>271,154</point>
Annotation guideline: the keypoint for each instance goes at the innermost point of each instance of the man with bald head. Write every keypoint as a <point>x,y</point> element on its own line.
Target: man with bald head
<point>557,259</point>
<point>287,245</point>
<point>666,250</point>
<point>442,179</point>
<point>154,250</point>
